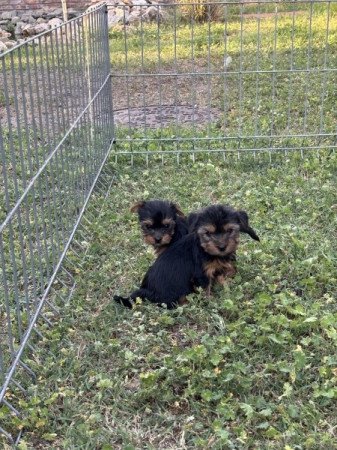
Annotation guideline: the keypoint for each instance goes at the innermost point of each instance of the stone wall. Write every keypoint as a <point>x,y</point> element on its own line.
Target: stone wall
<point>16,25</point>
<point>19,24</point>
<point>8,5</point>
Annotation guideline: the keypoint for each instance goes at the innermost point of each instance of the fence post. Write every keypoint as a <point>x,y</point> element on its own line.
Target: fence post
<point>65,10</point>
<point>109,70</point>
<point>88,68</point>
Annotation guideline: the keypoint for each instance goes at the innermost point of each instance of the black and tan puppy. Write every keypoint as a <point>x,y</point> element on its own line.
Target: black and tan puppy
<point>218,269</point>
<point>162,223</point>
<point>196,260</point>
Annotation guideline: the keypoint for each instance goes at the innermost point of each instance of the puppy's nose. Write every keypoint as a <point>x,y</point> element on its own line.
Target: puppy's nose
<point>157,240</point>
<point>221,248</point>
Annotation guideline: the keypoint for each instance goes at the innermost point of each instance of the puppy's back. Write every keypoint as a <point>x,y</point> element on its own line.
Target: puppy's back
<point>170,277</point>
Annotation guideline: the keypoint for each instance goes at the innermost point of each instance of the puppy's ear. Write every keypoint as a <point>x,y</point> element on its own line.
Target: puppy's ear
<point>244,225</point>
<point>136,207</point>
<point>192,222</point>
<point>177,210</point>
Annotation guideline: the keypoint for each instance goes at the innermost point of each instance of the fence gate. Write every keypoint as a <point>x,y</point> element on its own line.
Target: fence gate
<point>56,129</point>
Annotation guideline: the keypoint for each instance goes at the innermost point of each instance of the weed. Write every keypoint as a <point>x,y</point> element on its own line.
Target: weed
<point>199,11</point>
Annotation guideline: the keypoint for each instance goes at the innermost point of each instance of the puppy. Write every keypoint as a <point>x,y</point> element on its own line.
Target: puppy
<point>162,223</point>
<point>196,260</point>
<point>218,269</point>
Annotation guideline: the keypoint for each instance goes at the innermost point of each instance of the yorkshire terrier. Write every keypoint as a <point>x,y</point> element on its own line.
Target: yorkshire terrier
<point>216,269</point>
<point>197,259</point>
<point>162,223</point>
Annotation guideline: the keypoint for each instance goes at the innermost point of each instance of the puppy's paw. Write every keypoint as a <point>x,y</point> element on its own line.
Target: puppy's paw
<point>127,302</point>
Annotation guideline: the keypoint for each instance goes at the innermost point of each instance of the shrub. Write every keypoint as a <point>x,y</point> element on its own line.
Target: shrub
<point>200,11</point>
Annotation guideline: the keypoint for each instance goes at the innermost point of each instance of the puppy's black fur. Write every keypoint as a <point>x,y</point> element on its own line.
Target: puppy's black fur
<point>162,223</point>
<point>196,259</point>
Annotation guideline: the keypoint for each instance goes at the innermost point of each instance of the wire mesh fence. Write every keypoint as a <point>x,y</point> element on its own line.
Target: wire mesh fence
<point>226,77</point>
<point>56,128</point>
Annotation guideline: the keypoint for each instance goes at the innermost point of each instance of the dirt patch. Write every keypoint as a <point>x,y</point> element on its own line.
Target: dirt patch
<point>165,115</point>
<point>167,97</point>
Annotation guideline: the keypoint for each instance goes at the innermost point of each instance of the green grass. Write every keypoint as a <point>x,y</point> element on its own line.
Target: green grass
<point>252,367</point>
<point>269,39</point>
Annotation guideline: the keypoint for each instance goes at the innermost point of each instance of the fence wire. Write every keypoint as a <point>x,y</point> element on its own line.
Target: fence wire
<point>56,131</point>
<point>236,76</point>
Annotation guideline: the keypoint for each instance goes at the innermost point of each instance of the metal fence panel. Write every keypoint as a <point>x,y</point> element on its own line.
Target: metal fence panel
<point>56,130</point>
<point>235,76</point>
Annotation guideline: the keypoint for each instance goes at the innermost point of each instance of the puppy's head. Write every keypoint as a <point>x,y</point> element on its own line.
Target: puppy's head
<point>218,228</point>
<point>158,220</point>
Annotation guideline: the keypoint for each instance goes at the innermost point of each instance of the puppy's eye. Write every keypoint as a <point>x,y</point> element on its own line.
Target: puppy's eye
<point>166,226</point>
<point>207,233</point>
<point>230,230</point>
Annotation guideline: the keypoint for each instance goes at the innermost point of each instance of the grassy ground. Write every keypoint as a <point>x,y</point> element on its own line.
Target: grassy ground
<point>253,367</point>
<point>243,34</point>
